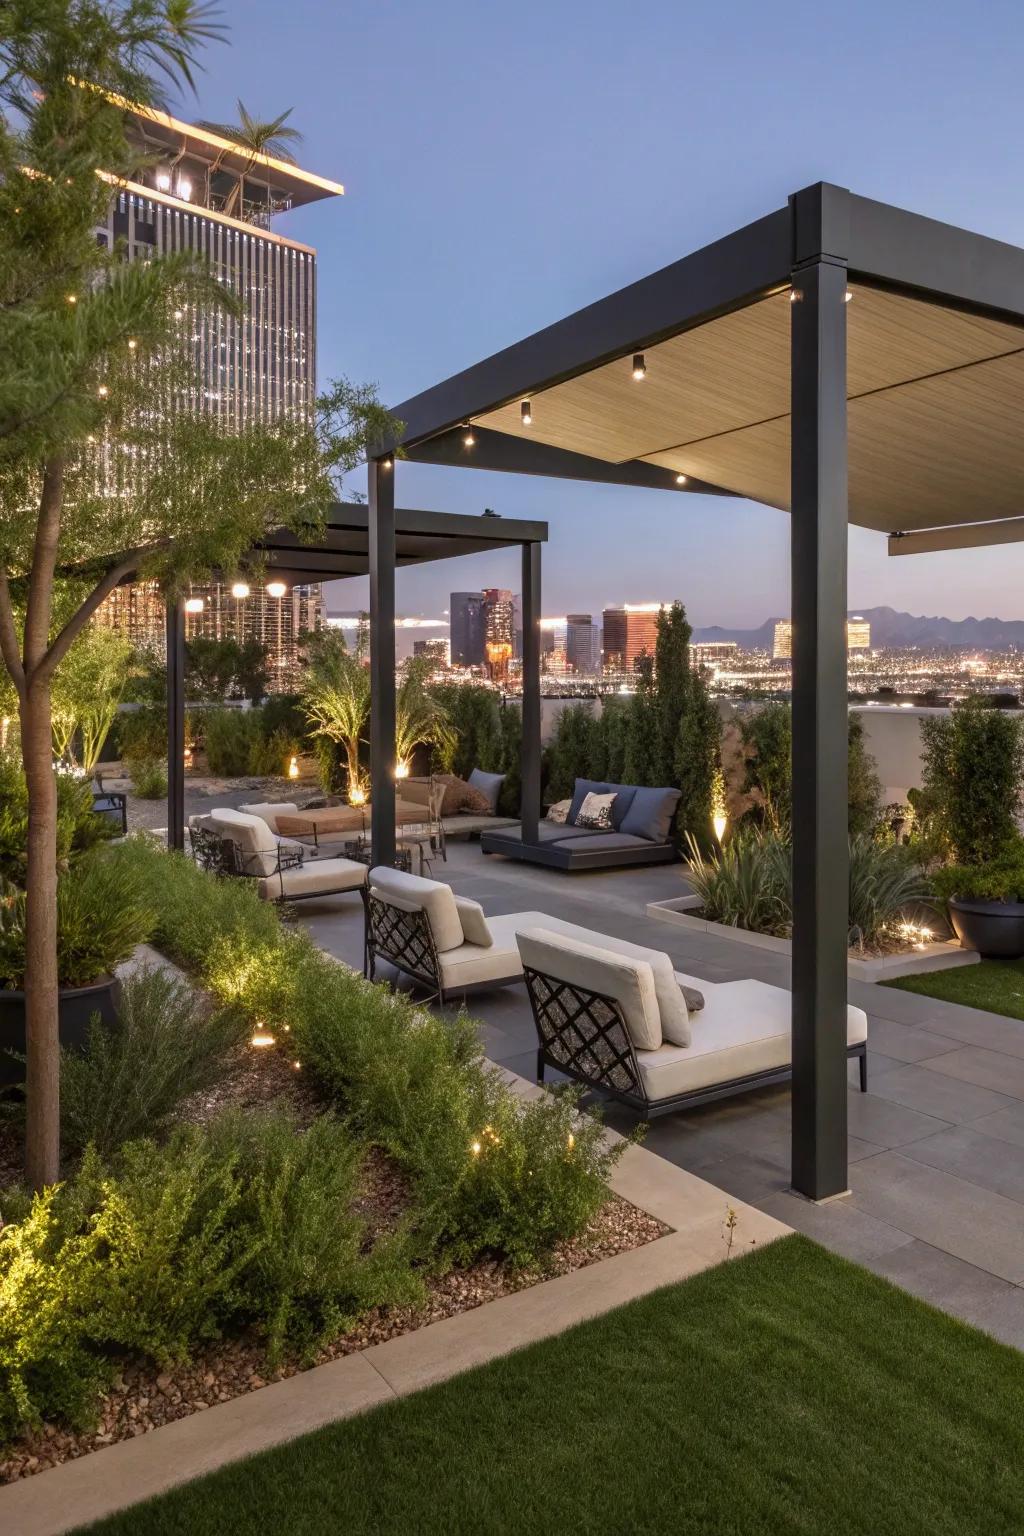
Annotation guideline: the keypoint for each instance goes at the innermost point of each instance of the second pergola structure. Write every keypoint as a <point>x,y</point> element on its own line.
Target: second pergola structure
<point>842,359</point>
<point>357,541</point>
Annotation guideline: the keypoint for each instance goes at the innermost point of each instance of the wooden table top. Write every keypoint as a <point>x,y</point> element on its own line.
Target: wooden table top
<point>342,818</point>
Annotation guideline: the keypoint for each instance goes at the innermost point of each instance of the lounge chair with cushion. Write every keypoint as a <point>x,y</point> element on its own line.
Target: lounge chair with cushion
<point>238,843</point>
<point>618,1018</point>
<point>633,827</point>
<point>440,940</point>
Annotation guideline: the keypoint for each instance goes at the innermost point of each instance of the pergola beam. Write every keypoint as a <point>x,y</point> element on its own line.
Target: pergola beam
<point>507,454</point>
<point>927,541</point>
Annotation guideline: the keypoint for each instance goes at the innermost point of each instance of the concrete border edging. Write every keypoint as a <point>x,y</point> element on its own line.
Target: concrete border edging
<point>74,1494</point>
<point>942,955</point>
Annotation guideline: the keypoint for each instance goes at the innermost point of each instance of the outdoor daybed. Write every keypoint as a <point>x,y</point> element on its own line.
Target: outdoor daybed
<point>617,1017</point>
<point>440,940</point>
<point>639,832</point>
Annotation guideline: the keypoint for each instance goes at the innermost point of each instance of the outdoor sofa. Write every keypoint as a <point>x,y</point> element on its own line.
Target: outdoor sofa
<point>439,940</point>
<point>617,1017</point>
<point>246,843</point>
<point>640,832</point>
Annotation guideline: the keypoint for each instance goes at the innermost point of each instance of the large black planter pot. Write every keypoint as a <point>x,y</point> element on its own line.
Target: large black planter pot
<point>75,1008</point>
<point>994,928</point>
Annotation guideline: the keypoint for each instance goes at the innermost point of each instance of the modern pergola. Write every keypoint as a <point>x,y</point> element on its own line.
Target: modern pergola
<point>353,544</point>
<point>840,358</point>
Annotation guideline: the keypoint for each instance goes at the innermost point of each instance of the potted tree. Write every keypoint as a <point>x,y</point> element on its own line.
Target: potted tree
<point>101,918</point>
<point>973,763</point>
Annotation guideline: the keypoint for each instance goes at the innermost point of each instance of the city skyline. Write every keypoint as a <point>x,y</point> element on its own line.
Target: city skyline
<point>513,236</point>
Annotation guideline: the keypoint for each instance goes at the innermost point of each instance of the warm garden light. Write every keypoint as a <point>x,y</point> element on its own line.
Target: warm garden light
<point>639,366</point>
<point>240,589</point>
<point>476,1148</point>
<point>194,605</point>
<point>72,298</point>
<point>401,770</point>
<point>132,343</point>
<point>357,795</point>
<point>276,589</point>
<point>719,810</point>
<point>525,414</point>
<point>261,1039</point>
<point>103,391</point>
<point>293,768</point>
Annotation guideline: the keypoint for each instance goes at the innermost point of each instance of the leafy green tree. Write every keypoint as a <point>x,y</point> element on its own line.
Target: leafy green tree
<point>864,785</point>
<point>696,761</point>
<point>336,696</point>
<point>571,753</point>
<point>476,740</point>
<point>93,350</point>
<point>973,767</point>
<point>609,760</point>
<point>642,758</point>
<point>673,681</point>
<point>510,799</point>
<point>88,687</point>
<point>421,717</point>
<point>768,743</point>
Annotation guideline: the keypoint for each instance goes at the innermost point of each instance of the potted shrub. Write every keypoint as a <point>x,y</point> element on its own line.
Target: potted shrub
<point>986,904</point>
<point>101,918</point>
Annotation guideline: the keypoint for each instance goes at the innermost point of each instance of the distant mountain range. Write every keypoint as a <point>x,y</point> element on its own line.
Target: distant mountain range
<point>898,630</point>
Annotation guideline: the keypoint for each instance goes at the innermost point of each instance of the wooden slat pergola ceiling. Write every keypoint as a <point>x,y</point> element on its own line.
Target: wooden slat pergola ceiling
<point>936,404</point>
<point>841,359</point>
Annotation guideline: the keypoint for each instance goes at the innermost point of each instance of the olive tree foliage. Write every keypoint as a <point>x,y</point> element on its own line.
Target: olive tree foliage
<point>103,472</point>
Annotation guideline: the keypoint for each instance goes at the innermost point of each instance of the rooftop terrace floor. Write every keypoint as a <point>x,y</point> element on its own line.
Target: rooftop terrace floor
<point>936,1144</point>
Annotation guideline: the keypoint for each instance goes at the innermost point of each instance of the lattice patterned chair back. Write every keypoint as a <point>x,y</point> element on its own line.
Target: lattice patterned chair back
<point>583,1034</point>
<point>402,936</point>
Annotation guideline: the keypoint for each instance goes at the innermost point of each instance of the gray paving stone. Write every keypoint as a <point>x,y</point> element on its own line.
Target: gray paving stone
<point>840,1225</point>
<point>962,1289</point>
<point>987,1069</point>
<point>966,1151</point>
<point>904,1042</point>
<point>1004,1125</point>
<point>971,1223</point>
<point>886,1124</point>
<point>973,1026</point>
<point>935,1093</point>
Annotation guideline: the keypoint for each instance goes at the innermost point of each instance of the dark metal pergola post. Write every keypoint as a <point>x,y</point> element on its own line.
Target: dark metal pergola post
<point>176,722</point>
<point>382,659</point>
<point>530,755</point>
<point>820,837</point>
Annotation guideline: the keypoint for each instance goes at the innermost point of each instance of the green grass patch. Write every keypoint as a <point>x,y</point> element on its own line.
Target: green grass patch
<point>996,985</point>
<point>785,1392</point>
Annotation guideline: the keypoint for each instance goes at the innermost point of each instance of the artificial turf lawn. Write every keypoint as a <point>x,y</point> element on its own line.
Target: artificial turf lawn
<point>997,985</point>
<point>787,1391</point>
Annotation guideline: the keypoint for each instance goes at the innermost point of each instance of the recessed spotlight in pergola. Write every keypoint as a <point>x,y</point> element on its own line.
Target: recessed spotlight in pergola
<point>525,414</point>
<point>680,479</point>
<point>639,366</point>
<point>467,436</point>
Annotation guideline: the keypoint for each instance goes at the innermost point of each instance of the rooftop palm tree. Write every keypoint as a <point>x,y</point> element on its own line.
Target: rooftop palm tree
<point>271,136</point>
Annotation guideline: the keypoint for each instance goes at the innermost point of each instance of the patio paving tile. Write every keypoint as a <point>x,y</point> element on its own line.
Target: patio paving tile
<point>966,1291</point>
<point>904,1042</point>
<point>887,1124</point>
<point>971,1154</point>
<point>1004,1125</point>
<point>971,1026</point>
<point>950,1213</point>
<point>987,1069</point>
<point>839,1225</point>
<point>935,1093</point>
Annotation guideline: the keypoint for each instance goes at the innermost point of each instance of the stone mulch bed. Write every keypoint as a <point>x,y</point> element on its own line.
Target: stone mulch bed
<point>143,1397</point>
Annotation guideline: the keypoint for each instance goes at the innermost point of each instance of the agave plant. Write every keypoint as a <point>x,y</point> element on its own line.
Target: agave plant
<point>885,881</point>
<point>747,884</point>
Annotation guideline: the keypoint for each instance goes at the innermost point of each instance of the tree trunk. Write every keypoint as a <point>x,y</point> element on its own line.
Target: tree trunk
<point>42,1077</point>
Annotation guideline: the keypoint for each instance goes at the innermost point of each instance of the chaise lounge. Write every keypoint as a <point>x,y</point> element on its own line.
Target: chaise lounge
<point>244,843</point>
<point>616,1017</point>
<point>441,941</point>
<point>639,832</point>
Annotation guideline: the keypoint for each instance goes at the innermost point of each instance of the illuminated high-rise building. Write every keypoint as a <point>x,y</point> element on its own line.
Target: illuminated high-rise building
<point>499,631</point>
<point>630,631</point>
<point>858,638</point>
<point>466,627</point>
<point>205,193</point>
<point>582,644</point>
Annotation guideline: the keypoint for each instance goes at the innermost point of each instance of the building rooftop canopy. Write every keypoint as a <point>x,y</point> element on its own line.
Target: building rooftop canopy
<point>197,166</point>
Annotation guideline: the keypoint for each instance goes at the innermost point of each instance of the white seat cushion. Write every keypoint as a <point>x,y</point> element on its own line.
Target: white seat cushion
<point>626,979</point>
<point>322,877</point>
<point>257,843</point>
<point>432,896</point>
<point>744,1028</point>
<point>270,810</point>
<point>672,1010</point>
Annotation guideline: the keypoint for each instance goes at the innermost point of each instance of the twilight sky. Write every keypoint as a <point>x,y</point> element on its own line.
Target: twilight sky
<point>506,164</point>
